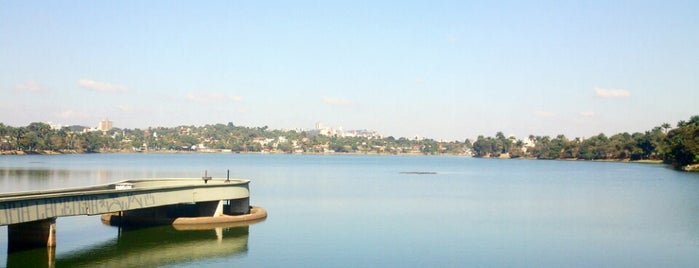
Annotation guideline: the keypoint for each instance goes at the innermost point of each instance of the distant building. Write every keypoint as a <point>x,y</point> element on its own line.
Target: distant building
<point>54,126</point>
<point>105,125</point>
<point>340,132</point>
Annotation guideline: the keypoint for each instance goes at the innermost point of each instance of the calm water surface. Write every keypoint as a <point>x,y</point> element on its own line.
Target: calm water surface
<point>339,211</point>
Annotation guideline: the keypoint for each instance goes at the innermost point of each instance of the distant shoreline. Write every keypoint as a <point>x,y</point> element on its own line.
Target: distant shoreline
<point>689,168</point>
<point>50,152</point>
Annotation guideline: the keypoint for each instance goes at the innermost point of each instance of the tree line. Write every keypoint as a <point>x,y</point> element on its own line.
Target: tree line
<point>41,138</point>
<point>677,146</point>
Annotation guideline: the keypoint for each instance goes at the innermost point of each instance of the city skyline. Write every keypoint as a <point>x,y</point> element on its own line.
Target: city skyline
<point>444,70</point>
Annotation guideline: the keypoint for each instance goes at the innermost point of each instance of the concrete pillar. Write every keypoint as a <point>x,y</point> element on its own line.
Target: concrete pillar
<point>147,213</point>
<point>210,209</point>
<point>239,206</point>
<point>146,216</point>
<point>219,209</point>
<point>30,235</point>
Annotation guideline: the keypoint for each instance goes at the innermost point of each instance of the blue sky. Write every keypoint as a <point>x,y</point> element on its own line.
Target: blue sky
<point>441,69</point>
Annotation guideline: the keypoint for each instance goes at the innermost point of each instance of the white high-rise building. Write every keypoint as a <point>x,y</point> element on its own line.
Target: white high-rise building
<point>105,125</point>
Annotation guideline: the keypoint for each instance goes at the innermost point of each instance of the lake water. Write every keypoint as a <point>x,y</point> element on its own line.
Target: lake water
<point>362,211</point>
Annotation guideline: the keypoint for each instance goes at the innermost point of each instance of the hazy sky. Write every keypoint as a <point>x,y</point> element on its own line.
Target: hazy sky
<point>439,69</point>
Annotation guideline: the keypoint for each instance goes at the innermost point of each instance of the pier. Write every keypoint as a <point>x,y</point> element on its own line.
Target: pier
<point>31,216</point>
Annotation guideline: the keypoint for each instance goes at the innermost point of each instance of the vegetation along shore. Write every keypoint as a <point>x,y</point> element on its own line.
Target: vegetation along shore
<point>678,146</point>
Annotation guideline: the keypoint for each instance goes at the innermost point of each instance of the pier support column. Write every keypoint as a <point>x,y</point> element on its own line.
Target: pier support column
<point>219,209</point>
<point>30,235</point>
<point>210,208</point>
<point>239,206</point>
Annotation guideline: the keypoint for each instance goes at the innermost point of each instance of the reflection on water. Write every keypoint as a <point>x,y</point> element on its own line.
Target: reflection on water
<point>30,179</point>
<point>29,173</point>
<point>358,210</point>
<point>27,179</point>
<point>146,247</point>
<point>16,177</point>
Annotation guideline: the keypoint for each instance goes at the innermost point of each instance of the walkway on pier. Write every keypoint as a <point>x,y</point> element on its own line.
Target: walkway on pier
<point>31,216</point>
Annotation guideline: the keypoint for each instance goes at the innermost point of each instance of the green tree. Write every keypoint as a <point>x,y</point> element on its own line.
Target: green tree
<point>666,126</point>
<point>594,148</point>
<point>482,147</point>
<point>682,144</point>
<point>92,142</point>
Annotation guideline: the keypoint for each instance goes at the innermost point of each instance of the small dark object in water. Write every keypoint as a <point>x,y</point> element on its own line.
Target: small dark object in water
<point>419,172</point>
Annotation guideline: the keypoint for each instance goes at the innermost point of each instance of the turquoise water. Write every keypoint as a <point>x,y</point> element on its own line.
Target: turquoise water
<point>359,211</point>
